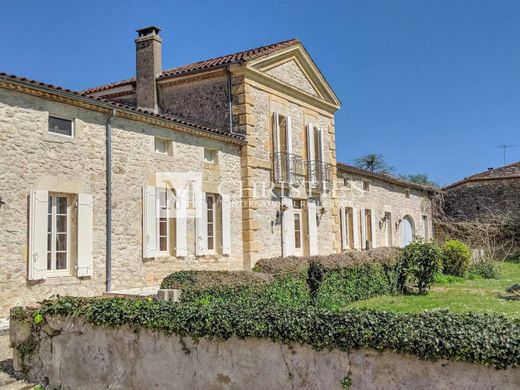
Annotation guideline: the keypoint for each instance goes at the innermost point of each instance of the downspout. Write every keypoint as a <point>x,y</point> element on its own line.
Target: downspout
<point>230,100</point>
<point>108,170</point>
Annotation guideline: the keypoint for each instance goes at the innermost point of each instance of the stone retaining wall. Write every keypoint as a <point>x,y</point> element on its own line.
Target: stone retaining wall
<point>74,355</point>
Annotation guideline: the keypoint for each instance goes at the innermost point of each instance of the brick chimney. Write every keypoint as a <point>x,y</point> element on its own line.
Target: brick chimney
<point>148,67</point>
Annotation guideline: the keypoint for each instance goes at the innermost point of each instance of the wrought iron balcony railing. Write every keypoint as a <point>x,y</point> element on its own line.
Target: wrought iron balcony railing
<point>288,168</point>
<point>319,174</point>
<point>292,169</point>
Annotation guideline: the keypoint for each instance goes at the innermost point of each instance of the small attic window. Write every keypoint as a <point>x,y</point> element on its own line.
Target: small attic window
<point>366,186</point>
<point>61,126</point>
<point>407,193</point>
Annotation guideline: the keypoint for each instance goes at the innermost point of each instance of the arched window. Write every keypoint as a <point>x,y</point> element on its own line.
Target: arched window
<point>407,231</point>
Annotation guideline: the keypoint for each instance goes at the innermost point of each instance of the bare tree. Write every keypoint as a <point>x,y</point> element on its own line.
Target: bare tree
<point>494,235</point>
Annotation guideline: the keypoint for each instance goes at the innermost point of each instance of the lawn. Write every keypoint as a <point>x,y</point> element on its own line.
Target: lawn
<point>456,294</point>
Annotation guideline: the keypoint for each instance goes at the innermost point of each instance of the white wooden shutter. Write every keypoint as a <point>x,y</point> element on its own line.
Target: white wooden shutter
<point>363,229</point>
<point>322,145</point>
<point>287,228</point>
<point>373,221</point>
<point>276,147</point>
<point>343,227</point>
<point>85,235</point>
<point>276,133</point>
<point>288,140</point>
<point>226,225</point>
<point>310,153</point>
<point>181,231</point>
<point>355,228</point>
<point>322,158</point>
<point>37,262</point>
<point>201,225</point>
<point>313,228</point>
<point>149,222</point>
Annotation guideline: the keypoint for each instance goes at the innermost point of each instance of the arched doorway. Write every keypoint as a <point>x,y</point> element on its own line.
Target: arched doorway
<point>407,232</point>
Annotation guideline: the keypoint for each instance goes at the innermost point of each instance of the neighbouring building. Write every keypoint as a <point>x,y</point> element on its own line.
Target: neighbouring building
<point>494,192</point>
<point>211,165</point>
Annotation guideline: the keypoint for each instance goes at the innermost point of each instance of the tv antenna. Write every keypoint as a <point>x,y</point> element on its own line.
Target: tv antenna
<point>504,148</point>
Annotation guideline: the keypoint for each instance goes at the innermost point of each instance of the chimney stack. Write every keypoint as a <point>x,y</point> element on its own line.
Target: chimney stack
<point>148,67</point>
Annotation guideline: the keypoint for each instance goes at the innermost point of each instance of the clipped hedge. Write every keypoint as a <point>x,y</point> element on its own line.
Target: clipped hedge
<point>345,278</point>
<point>481,338</point>
<point>348,259</point>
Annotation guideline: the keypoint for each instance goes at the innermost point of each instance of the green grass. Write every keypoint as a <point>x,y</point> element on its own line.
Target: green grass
<point>456,294</point>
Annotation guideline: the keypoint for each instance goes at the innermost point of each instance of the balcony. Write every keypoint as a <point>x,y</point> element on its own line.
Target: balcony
<point>288,168</point>
<point>319,174</point>
<point>292,169</point>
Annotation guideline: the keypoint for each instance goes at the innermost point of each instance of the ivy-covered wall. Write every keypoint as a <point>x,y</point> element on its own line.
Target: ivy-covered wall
<point>73,354</point>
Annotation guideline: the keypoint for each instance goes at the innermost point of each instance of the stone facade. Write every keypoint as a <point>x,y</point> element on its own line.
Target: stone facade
<point>279,80</point>
<point>477,200</point>
<point>390,201</point>
<point>40,160</point>
<point>122,358</point>
<point>202,101</point>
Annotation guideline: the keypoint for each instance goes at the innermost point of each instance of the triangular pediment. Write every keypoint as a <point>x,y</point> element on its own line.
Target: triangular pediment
<point>294,67</point>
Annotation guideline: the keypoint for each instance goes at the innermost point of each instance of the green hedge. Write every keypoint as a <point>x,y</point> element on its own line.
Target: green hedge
<point>487,339</point>
<point>348,277</point>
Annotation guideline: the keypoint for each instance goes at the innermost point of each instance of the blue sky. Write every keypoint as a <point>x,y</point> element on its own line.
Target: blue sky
<point>433,85</point>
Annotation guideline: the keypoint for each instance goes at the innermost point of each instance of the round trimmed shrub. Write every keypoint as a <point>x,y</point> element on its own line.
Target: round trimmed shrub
<point>456,258</point>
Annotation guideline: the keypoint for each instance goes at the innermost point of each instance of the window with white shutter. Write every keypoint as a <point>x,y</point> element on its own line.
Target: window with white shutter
<point>85,244</point>
<point>204,242</point>
<point>149,222</point>
<point>38,236</point>
<point>287,227</point>
<point>313,227</point>
<point>181,246</point>
<point>226,224</point>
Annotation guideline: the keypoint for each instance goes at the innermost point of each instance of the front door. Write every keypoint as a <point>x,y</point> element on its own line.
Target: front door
<point>298,233</point>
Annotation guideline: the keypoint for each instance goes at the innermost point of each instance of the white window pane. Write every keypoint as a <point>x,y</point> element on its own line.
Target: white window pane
<point>209,156</point>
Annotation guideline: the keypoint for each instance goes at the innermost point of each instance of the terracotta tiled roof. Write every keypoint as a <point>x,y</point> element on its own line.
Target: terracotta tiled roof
<point>510,171</point>
<point>84,95</point>
<point>343,167</point>
<point>204,65</point>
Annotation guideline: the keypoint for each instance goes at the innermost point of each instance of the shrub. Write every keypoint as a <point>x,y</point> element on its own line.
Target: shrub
<point>485,268</point>
<point>314,279</point>
<point>482,338</point>
<point>419,261</point>
<point>456,257</point>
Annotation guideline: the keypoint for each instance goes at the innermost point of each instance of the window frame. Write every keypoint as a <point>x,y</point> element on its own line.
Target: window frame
<point>166,145</point>
<point>366,186</point>
<point>213,209</point>
<point>214,156</point>
<point>72,126</point>
<point>167,217</point>
<point>53,272</point>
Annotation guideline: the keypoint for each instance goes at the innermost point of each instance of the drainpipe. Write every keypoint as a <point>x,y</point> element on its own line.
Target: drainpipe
<point>108,170</point>
<point>230,100</point>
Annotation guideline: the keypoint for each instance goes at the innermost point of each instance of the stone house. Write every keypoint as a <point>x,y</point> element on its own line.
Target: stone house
<point>495,191</point>
<point>210,165</point>
<point>381,210</point>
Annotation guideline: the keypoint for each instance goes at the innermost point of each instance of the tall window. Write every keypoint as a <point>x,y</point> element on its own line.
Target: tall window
<point>388,229</point>
<point>163,221</point>
<point>211,205</point>
<point>368,226</point>
<point>58,234</point>
<point>349,216</point>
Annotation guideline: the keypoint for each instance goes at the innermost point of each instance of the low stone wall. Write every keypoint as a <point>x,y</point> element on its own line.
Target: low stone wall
<point>72,354</point>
